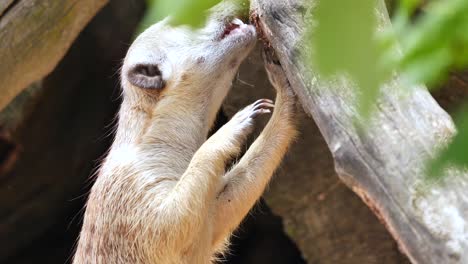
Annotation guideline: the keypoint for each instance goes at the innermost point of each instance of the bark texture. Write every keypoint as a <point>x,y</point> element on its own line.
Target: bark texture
<point>35,34</point>
<point>326,220</point>
<point>385,163</point>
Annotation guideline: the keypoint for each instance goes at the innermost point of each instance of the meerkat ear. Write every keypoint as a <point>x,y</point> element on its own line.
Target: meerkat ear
<point>146,76</point>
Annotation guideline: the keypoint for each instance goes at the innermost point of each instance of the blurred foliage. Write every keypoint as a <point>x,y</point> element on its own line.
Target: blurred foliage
<point>344,42</point>
<point>432,37</point>
<point>182,12</point>
<point>434,45</point>
<point>189,12</point>
<point>436,42</point>
<point>427,41</point>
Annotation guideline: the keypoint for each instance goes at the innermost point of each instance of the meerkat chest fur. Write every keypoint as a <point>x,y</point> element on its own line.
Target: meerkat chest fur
<point>162,194</point>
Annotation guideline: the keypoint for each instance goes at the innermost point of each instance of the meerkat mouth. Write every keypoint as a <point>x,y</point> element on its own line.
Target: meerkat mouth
<point>231,27</point>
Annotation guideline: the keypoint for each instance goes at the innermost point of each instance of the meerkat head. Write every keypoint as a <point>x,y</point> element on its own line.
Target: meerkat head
<point>169,65</point>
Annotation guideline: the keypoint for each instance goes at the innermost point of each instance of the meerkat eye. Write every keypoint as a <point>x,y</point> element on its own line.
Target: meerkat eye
<point>146,76</point>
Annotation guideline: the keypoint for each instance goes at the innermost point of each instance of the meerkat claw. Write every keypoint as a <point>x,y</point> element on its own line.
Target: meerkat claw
<point>259,112</point>
<point>263,101</point>
<point>263,105</point>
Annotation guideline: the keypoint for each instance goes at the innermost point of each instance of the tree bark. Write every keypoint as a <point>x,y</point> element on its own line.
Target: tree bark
<point>384,163</point>
<point>35,34</point>
<point>317,210</point>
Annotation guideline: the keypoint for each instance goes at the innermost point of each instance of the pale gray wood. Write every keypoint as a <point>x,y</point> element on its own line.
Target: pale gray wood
<point>34,36</point>
<point>4,4</point>
<point>384,164</point>
<point>317,210</point>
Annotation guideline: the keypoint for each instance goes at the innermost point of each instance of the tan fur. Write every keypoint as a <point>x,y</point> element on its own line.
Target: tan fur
<point>162,194</point>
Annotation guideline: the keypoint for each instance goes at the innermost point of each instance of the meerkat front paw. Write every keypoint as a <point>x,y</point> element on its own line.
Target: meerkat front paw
<point>276,73</point>
<point>242,122</point>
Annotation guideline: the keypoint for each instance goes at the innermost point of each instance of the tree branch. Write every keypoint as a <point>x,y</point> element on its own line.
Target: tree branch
<point>384,164</point>
<point>35,34</point>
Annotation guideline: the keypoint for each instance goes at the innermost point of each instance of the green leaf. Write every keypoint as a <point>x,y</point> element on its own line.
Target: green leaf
<point>430,68</point>
<point>410,5</point>
<point>344,42</point>
<point>187,12</point>
<point>436,43</point>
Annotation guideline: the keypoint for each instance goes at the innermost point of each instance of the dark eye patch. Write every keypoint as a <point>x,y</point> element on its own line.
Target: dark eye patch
<point>146,76</point>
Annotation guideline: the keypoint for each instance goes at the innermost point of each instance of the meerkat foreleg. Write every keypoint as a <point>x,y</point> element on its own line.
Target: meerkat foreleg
<point>246,181</point>
<point>189,203</point>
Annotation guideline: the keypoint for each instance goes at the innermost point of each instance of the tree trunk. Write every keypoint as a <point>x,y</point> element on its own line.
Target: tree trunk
<point>35,34</point>
<point>384,164</point>
<point>318,211</point>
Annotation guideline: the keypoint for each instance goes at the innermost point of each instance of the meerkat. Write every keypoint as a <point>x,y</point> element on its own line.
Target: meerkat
<point>163,194</point>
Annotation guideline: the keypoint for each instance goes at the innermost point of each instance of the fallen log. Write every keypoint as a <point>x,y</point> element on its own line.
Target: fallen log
<point>385,163</point>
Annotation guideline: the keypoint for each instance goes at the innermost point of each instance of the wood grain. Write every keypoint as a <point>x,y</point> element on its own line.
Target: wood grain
<point>34,36</point>
<point>384,163</point>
